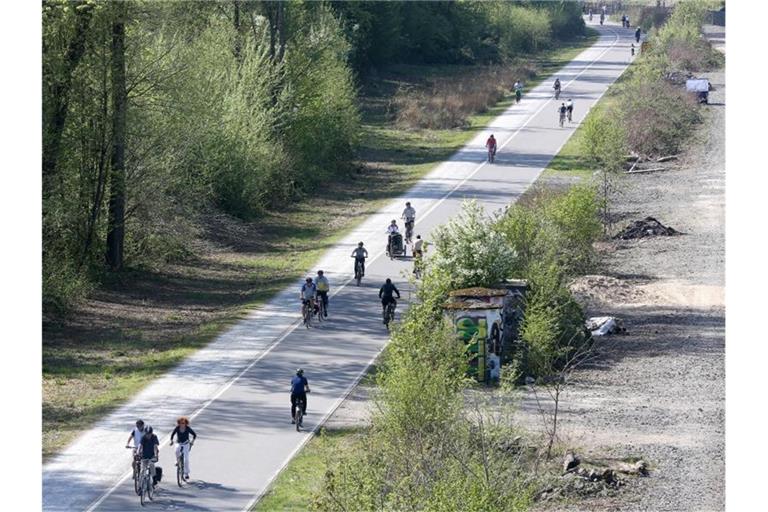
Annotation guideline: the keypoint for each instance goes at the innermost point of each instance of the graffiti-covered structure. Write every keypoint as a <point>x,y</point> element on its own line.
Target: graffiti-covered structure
<point>489,320</point>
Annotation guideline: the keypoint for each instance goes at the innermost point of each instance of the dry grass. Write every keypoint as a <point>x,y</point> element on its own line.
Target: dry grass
<point>448,102</point>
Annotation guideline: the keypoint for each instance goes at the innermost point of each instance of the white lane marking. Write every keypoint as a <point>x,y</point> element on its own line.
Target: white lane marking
<point>296,324</point>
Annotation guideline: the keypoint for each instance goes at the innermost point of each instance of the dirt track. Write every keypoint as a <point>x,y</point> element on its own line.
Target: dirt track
<point>658,393</point>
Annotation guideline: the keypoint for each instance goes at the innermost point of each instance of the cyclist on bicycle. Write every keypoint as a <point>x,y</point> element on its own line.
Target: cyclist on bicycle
<point>409,216</point>
<point>563,110</point>
<point>490,144</point>
<point>385,294</point>
<point>308,293</point>
<point>299,390</point>
<point>391,230</point>
<point>136,434</point>
<point>557,87</point>
<point>569,108</point>
<point>182,433</point>
<point>323,286</point>
<point>360,254</point>
<point>150,451</point>
<point>518,88</point>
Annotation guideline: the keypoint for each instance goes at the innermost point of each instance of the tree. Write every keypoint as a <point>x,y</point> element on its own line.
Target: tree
<point>116,221</point>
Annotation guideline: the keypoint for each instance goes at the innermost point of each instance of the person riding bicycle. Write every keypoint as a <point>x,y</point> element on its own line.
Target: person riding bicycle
<point>136,434</point>
<point>385,294</point>
<point>308,293</point>
<point>563,110</point>
<point>490,144</point>
<point>360,254</point>
<point>569,108</point>
<point>637,35</point>
<point>299,390</point>
<point>557,87</point>
<point>518,88</point>
<point>391,230</point>
<point>409,216</point>
<point>150,451</point>
<point>182,433</point>
<point>323,286</point>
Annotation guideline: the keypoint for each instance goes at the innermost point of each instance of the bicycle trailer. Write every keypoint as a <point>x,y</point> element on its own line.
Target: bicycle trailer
<point>395,246</point>
<point>158,474</point>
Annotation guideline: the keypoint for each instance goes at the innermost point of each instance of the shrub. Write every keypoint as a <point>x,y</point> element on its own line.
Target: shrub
<point>657,116</point>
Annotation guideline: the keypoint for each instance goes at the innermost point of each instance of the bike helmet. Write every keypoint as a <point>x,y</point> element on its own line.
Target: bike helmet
<point>299,371</point>
<point>408,203</point>
<point>319,272</point>
<point>309,279</point>
<point>389,281</point>
<point>360,244</point>
<point>139,423</point>
<point>148,429</point>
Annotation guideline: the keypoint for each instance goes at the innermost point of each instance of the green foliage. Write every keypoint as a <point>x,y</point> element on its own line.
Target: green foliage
<point>471,32</point>
<point>554,229</point>
<point>423,452</point>
<point>470,251</point>
<point>603,140</point>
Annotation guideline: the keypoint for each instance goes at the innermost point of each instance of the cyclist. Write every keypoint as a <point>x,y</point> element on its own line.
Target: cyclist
<point>150,451</point>
<point>418,247</point>
<point>569,108</point>
<point>182,433</point>
<point>391,230</point>
<point>308,293</point>
<point>563,110</point>
<point>136,434</point>
<point>637,35</point>
<point>518,87</point>
<point>590,15</point>
<point>409,216</point>
<point>602,18</point>
<point>557,87</point>
<point>323,286</point>
<point>491,145</point>
<point>299,390</point>
<point>385,294</point>
<point>360,254</point>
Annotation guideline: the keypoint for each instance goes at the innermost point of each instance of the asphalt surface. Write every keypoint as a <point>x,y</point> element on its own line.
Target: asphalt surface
<point>237,389</point>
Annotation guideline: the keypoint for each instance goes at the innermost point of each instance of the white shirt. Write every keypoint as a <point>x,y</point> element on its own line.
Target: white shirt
<point>518,86</point>
<point>409,213</point>
<point>569,103</point>
<point>392,229</point>
<point>137,435</point>
<point>419,243</point>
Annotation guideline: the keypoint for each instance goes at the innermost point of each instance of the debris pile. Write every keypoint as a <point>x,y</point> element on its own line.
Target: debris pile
<point>605,325</point>
<point>646,227</point>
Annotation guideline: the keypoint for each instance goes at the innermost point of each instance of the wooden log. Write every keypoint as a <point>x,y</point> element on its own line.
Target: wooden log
<point>640,171</point>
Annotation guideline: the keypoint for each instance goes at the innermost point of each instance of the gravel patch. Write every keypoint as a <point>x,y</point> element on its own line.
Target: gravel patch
<point>658,393</point>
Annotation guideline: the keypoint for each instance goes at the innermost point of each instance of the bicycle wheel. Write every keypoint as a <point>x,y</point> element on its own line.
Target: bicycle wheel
<point>306,315</point>
<point>320,309</point>
<point>297,417</point>
<point>136,477</point>
<point>142,490</point>
<point>180,471</point>
<point>150,487</point>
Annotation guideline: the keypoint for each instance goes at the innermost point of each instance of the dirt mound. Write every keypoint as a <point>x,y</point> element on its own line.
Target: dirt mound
<point>646,227</point>
<point>590,291</point>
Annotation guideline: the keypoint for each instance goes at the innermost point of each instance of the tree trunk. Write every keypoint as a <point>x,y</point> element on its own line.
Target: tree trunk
<point>58,93</point>
<point>116,223</point>
<point>238,47</point>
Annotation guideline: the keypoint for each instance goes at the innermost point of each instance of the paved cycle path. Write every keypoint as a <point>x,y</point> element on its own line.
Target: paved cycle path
<point>236,389</point>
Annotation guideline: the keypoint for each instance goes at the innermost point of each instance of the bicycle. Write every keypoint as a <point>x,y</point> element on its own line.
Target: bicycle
<point>491,154</point>
<point>146,487</point>
<point>518,95</point>
<point>320,308</point>
<point>389,313</point>
<point>136,465</point>
<point>409,230</point>
<point>180,464</point>
<point>298,415</point>
<point>306,312</point>
<point>570,115</point>
<point>358,271</point>
<point>562,119</point>
<point>557,94</point>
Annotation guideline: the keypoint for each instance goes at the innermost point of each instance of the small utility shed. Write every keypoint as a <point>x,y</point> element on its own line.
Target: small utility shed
<point>488,319</point>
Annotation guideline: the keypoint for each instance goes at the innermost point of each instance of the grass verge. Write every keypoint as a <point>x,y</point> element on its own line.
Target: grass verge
<point>297,484</point>
<point>145,321</point>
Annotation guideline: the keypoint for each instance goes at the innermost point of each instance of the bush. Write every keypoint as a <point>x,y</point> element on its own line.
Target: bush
<point>657,116</point>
